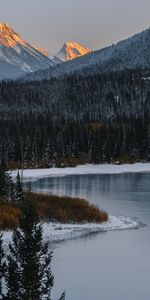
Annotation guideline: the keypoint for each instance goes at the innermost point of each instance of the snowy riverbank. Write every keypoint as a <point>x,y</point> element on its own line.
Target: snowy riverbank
<point>85,169</point>
<point>59,232</point>
<point>56,232</point>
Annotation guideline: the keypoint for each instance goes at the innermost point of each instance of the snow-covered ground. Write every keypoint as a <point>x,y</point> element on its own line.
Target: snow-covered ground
<point>60,232</point>
<point>85,169</point>
<point>56,232</point>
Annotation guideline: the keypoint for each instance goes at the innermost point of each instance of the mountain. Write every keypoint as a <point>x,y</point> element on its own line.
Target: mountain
<point>132,53</point>
<point>17,57</point>
<point>72,50</point>
<point>93,109</point>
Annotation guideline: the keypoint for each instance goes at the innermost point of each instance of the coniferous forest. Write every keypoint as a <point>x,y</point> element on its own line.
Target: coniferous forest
<point>76,119</point>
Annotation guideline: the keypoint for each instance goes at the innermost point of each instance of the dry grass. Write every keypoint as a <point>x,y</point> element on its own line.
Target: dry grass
<point>53,208</point>
<point>9,215</point>
<point>67,209</point>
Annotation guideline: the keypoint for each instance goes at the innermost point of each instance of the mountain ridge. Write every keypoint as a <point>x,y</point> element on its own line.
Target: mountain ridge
<point>18,57</point>
<point>72,50</point>
<point>131,53</point>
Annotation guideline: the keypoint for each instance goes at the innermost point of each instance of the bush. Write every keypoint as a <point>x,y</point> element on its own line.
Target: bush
<point>67,209</point>
<point>54,209</point>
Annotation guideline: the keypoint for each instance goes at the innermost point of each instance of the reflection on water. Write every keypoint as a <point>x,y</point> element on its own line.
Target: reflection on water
<point>110,266</point>
<point>100,189</point>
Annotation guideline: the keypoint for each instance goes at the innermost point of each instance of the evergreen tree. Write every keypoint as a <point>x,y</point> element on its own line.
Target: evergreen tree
<point>6,183</point>
<point>2,266</point>
<point>12,273</point>
<point>3,188</point>
<point>10,187</point>
<point>29,275</point>
<point>19,190</point>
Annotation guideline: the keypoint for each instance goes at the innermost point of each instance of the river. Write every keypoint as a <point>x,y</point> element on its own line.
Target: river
<point>110,265</point>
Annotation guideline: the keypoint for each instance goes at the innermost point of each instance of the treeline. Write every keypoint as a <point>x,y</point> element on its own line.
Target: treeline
<point>78,119</point>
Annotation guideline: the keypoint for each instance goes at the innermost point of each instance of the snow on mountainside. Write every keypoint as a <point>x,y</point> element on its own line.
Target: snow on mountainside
<point>132,53</point>
<point>42,50</point>
<point>17,57</point>
<point>72,50</point>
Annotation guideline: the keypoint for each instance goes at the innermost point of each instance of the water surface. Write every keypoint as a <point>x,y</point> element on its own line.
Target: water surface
<point>112,265</point>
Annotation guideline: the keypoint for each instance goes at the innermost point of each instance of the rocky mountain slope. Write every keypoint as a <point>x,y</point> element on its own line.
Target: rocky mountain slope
<point>72,50</point>
<point>17,57</point>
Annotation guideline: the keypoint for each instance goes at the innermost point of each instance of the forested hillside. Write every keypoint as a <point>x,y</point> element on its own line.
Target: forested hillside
<point>132,53</point>
<point>104,117</point>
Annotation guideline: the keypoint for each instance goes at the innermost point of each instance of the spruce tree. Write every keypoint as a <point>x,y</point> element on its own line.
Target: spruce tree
<point>19,190</point>
<point>2,267</point>
<point>6,183</point>
<point>12,273</point>
<point>3,184</point>
<point>10,187</point>
<point>29,275</point>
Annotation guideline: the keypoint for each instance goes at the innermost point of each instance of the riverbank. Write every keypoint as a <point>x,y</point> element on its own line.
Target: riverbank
<point>57,232</point>
<point>35,174</point>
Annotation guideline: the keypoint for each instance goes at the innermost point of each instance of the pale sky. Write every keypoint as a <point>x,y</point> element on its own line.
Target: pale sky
<point>93,23</point>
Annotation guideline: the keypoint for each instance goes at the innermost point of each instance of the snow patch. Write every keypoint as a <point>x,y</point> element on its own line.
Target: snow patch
<point>56,232</point>
<point>35,174</point>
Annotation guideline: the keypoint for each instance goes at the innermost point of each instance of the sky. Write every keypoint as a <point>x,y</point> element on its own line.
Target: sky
<point>93,23</point>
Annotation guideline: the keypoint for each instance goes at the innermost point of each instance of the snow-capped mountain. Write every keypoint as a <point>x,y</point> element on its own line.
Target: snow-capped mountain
<point>72,50</point>
<point>132,53</point>
<point>17,57</point>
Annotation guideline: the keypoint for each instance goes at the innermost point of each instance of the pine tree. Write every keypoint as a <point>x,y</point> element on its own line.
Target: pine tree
<point>29,275</point>
<point>6,183</point>
<point>3,189</point>
<point>12,273</point>
<point>18,189</point>
<point>10,187</point>
<point>2,266</point>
